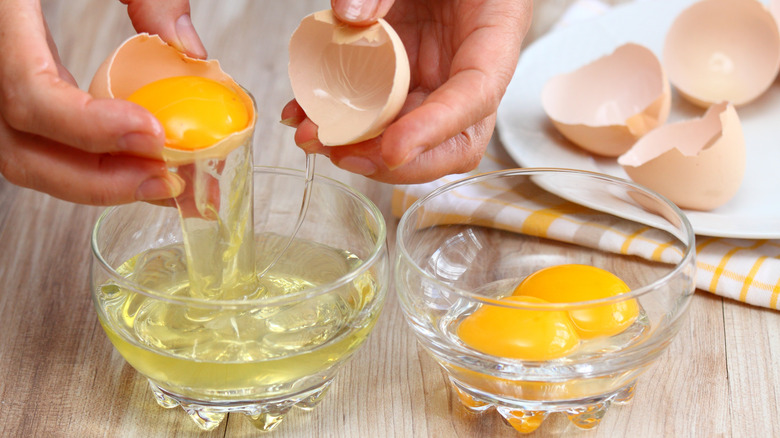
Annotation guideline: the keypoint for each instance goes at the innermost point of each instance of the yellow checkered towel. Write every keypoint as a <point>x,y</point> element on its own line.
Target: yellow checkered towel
<point>741,269</point>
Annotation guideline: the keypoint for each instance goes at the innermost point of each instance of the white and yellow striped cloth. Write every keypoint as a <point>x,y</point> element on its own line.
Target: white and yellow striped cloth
<point>740,269</point>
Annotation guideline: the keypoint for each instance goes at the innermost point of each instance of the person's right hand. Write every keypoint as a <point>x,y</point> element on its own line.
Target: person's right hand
<point>59,140</point>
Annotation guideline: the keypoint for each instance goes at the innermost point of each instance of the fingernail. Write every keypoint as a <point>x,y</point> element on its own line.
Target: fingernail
<point>359,165</point>
<point>358,10</point>
<point>311,145</point>
<point>292,121</point>
<point>140,143</point>
<point>188,37</point>
<point>159,187</point>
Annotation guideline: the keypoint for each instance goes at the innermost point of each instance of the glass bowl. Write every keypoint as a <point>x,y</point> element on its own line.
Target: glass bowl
<point>258,355</point>
<point>467,245</point>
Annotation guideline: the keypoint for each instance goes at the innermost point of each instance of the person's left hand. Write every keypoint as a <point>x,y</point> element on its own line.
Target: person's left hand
<point>462,55</point>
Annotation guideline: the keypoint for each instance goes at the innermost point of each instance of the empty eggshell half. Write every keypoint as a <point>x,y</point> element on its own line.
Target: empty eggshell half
<point>606,105</point>
<point>350,81</point>
<point>145,58</point>
<point>698,164</point>
<point>722,50</point>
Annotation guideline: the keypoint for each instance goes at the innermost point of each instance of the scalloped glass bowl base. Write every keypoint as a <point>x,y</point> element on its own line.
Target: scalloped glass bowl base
<point>265,415</point>
<point>526,418</point>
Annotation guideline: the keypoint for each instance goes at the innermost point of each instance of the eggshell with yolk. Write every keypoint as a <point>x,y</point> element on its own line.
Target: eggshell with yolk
<point>698,164</point>
<point>606,105</point>
<point>350,81</point>
<point>145,58</point>
<point>722,50</point>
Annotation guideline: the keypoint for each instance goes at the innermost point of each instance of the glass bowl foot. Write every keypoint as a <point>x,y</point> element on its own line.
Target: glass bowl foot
<point>264,415</point>
<point>527,416</point>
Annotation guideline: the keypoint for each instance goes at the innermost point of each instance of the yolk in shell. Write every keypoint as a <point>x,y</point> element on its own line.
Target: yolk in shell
<point>195,112</point>
<point>572,283</point>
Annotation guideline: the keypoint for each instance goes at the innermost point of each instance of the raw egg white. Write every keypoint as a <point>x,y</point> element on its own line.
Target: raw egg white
<point>350,81</point>
<point>606,105</point>
<point>145,59</point>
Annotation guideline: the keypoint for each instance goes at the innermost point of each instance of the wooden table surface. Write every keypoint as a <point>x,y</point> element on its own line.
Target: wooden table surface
<point>60,376</point>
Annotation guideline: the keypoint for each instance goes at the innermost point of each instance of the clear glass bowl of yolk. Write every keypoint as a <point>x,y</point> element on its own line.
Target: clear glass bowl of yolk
<point>544,291</point>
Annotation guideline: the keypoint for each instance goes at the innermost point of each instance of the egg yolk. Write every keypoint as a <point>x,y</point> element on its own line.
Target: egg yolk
<point>195,112</point>
<point>573,283</point>
<point>519,333</point>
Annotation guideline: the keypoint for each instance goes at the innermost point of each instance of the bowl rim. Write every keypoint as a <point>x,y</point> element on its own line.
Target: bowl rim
<point>687,259</point>
<point>378,251</point>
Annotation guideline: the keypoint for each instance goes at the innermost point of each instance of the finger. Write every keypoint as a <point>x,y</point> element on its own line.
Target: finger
<point>306,137</point>
<point>480,72</point>
<point>292,114</point>
<point>77,176</point>
<point>360,12</point>
<point>171,20</point>
<point>35,99</point>
<point>459,154</point>
<point>61,70</point>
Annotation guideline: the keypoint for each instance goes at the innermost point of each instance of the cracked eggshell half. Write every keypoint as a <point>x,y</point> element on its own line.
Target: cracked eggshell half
<point>606,105</point>
<point>698,164</point>
<point>722,50</point>
<point>145,58</point>
<point>350,81</point>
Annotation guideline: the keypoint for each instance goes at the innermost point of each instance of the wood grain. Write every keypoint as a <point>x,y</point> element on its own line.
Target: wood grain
<point>60,376</point>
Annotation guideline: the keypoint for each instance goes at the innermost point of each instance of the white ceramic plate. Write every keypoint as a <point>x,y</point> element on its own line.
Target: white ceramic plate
<point>532,141</point>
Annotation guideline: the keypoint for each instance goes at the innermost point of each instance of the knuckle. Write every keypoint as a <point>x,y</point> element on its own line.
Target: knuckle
<point>469,163</point>
<point>4,168</point>
<point>101,197</point>
<point>13,108</point>
<point>14,174</point>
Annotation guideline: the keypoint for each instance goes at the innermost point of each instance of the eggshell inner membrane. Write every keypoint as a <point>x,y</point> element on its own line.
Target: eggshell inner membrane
<point>698,164</point>
<point>351,82</point>
<point>722,50</point>
<point>606,105</point>
<point>145,58</point>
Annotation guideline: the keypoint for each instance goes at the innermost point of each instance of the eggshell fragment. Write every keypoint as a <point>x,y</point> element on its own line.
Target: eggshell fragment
<point>722,50</point>
<point>698,164</point>
<point>350,81</point>
<point>606,105</point>
<point>145,58</point>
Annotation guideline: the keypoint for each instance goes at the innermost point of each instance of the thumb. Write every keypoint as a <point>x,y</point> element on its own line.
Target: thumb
<point>170,20</point>
<point>360,12</point>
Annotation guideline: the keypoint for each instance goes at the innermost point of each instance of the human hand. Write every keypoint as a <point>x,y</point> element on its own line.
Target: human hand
<point>59,140</point>
<point>462,55</point>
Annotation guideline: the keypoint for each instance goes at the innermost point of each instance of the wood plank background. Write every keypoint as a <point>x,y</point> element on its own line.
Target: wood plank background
<point>60,377</point>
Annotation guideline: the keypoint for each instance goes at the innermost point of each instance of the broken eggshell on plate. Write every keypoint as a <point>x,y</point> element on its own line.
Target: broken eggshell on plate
<point>143,59</point>
<point>350,81</point>
<point>606,105</point>
<point>723,50</point>
<point>698,164</point>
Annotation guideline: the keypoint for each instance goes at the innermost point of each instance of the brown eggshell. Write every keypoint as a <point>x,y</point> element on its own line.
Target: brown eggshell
<point>606,105</point>
<point>146,58</point>
<point>722,50</point>
<point>698,164</point>
<point>350,81</point>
